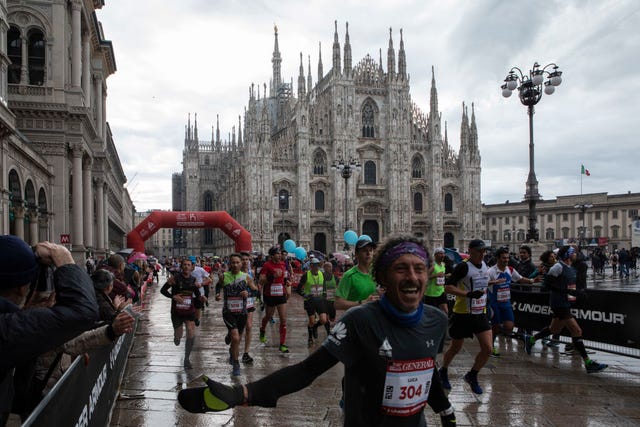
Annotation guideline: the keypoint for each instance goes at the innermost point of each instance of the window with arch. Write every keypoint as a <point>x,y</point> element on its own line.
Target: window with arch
<point>15,188</point>
<point>565,232</point>
<point>36,57</point>
<point>42,201</point>
<point>417,202</point>
<point>549,234</point>
<point>494,235</point>
<point>207,202</point>
<point>520,235</point>
<point>369,172</point>
<point>283,200</point>
<point>319,162</point>
<point>368,120</point>
<point>319,200</point>
<point>615,232</point>
<point>597,231</point>
<point>448,202</point>
<point>417,167</point>
<point>14,51</point>
<point>30,194</point>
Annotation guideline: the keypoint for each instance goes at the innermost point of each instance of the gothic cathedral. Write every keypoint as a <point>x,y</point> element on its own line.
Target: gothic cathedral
<point>350,152</point>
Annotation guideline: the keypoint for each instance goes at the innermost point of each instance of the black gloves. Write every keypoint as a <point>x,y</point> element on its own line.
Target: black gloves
<point>475,294</point>
<point>215,397</point>
<point>448,420</point>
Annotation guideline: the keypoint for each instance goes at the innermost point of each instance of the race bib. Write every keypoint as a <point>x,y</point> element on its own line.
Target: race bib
<point>277,289</point>
<point>504,294</point>
<point>440,281</point>
<point>235,304</point>
<point>406,386</point>
<point>331,294</point>
<point>316,291</point>
<point>478,304</point>
<point>571,287</point>
<point>185,307</point>
<point>251,302</point>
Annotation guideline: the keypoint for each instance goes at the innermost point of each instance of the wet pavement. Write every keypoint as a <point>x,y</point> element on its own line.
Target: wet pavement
<point>547,388</point>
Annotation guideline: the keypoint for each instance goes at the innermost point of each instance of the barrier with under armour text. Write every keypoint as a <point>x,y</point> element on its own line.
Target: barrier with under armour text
<point>604,316</point>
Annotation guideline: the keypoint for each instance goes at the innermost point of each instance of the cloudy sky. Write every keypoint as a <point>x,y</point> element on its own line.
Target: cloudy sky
<point>201,56</point>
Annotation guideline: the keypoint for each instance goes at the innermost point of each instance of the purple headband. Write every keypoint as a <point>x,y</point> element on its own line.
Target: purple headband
<point>402,249</point>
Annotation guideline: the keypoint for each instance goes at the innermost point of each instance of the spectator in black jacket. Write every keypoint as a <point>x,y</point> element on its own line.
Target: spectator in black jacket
<point>24,334</point>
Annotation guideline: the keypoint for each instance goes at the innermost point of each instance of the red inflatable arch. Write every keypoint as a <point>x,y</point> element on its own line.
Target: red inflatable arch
<point>162,219</point>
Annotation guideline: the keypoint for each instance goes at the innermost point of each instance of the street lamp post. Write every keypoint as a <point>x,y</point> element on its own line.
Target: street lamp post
<point>583,208</point>
<point>346,169</point>
<point>284,200</point>
<point>530,92</point>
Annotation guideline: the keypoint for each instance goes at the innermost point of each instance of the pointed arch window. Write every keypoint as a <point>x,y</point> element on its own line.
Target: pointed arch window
<point>368,120</point>
<point>417,167</point>
<point>283,200</point>
<point>417,202</point>
<point>319,162</point>
<point>369,173</point>
<point>208,201</point>
<point>36,57</point>
<point>14,51</point>
<point>448,202</point>
<point>319,199</point>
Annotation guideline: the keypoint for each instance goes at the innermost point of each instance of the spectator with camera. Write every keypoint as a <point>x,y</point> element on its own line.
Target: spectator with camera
<point>25,334</point>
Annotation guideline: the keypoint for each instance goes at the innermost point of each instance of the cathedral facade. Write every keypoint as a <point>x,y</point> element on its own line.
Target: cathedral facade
<point>280,174</point>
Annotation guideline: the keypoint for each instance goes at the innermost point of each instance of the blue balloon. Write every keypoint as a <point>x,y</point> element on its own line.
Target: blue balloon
<point>300,253</point>
<point>350,237</point>
<point>289,245</point>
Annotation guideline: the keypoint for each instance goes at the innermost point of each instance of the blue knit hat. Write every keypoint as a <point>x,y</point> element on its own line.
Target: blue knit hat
<point>18,263</point>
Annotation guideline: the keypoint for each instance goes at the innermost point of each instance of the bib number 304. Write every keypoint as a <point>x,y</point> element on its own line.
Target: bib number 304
<point>406,386</point>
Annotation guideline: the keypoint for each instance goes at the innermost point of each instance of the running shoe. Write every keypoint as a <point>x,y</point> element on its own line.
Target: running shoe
<point>227,339</point>
<point>444,379</point>
<point>472,380</point>
<point>495,353</point>
<point>527,343</point>
<point>593,367</point>
<point>263,337</point>
<point>176,340</point>
<point>236,369</point>
<point>247,359</point>
<point>284,348</point>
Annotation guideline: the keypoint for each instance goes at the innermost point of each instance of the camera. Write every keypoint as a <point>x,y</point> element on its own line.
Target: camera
<point>44,280</point>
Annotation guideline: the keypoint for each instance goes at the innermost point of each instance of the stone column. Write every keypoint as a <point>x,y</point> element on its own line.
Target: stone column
<point>33,227</point>
<point>100,213</point>
<point>18,219</point>
<point>103,121</point>
<point>76,44</point>
<point>24,68</point>
<point>87,198</point>
<point>77,238</point>
<point>98,100</point>
<point>86,70</point>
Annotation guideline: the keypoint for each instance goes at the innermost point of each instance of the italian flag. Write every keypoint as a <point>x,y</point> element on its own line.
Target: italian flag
<point>585,171</point>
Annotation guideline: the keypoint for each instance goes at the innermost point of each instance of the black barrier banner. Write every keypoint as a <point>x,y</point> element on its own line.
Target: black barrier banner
<point>604,316</point>
<point>85,395</point>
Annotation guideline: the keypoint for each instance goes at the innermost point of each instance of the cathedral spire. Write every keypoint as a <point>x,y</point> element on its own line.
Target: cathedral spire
<point>309,80</point>
<point>276,61</point>
<point>218,130</point>
<point>464,129</point>
<point>239,131</point>
<point>336,50</point>
<point>301,81</point>
<point>391,57</point>
<point>195,127</point>
<point>380,52</point>
<point>189,127</point>
<point>473,134</point>
<point>402,59</point>
<point>434,94</point>
<point>320,71</point>
<point>347,53</point>
<point>446,134</point>
<point>213,135</point>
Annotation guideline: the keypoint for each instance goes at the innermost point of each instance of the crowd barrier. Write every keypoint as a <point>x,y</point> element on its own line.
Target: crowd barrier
<point>86,393</point>
<point>606,317</point>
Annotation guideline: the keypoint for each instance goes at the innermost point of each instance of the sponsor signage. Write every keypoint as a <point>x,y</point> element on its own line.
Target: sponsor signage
<point>65,239</point>
<point>604,316</point>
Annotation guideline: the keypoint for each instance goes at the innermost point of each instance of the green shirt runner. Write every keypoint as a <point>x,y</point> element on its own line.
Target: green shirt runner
<point>355,285</point>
